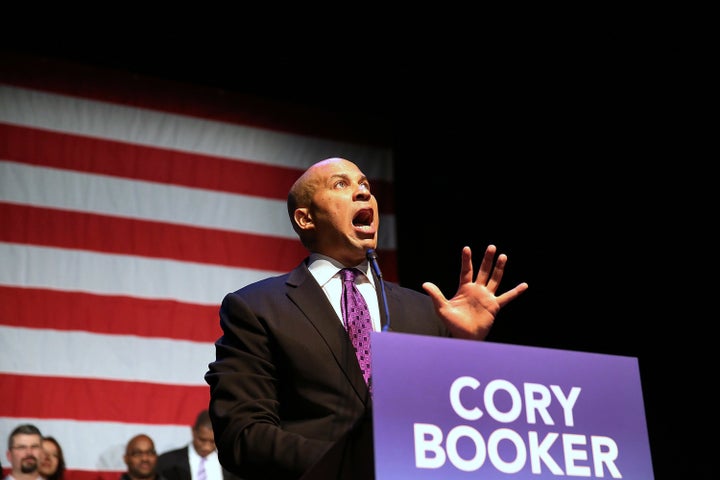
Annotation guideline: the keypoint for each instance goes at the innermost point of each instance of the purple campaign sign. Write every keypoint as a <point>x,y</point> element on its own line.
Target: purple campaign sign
<point>458,409</point>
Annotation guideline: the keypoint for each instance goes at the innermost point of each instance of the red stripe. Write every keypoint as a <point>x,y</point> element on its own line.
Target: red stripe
<point>71,474</point>
<point>100,400</point>
<point>87,231</point>
<point>90,155</point>
<point>127,88</point>
<point>136,402</point>
<point>28,307</point>
<point>106,157</point>
<point>90,475</point>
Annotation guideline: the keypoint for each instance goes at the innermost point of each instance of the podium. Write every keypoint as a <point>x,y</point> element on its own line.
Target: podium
<point>456,409</point>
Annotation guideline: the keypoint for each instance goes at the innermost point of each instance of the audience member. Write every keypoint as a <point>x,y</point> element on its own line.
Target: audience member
<point>199,459</point>
<point>52,460</point>
<point>24,452</point>
<point>141,459</point>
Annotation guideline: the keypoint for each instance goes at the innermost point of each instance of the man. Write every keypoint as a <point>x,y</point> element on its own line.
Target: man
<point>141,459</point>
<point>200,455</point>
<point>24,450</point>
<point>286,384</point>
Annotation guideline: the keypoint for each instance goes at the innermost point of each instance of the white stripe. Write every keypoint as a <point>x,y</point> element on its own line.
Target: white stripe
<point>139,126</point>
<point>107,274</point>
<point>109,357</point>
<point>101,194</point>
<point>99,446</point>
<point>83,192</point>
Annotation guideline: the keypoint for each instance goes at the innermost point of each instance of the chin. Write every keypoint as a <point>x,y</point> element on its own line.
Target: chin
<point>367,245</point>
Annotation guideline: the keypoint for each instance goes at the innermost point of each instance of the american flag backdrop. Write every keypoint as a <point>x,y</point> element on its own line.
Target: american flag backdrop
<point>129,206</point>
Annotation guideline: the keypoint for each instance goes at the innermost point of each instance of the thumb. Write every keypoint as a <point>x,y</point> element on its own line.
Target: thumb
<point>435,294</point>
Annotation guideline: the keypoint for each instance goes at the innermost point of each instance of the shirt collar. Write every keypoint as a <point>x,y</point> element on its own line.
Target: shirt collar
<point>324,268</point>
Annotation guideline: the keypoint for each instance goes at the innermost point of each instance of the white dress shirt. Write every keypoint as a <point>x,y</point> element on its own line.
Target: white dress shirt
<point>212,464</point>
<point>326,272</point>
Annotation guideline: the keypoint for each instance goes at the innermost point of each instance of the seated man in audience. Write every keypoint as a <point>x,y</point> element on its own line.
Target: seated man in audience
<point>199,459</point>
<point>24,451</point>
<point>141,459</point>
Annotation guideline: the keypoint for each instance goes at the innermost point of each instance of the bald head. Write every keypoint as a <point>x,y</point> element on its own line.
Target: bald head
<point>333,211</point>
<point>140,440</point>
<point>302,190</point>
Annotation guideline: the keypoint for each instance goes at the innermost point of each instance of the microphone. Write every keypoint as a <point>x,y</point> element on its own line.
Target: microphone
<point>372,260</point>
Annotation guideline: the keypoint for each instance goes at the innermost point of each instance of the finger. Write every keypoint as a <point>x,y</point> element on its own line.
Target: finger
<point>486,265</point>
<point>435,294</point>
<point>466,266</point>
<point>497,273</point>
<point>510,295</point>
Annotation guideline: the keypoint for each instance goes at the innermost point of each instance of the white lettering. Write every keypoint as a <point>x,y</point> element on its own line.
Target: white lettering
<point>541,451</point>
<point>473,463</point>
<point>489,398</point>
<point>568,403</point>
<point>458,407</point>
<point>539,403</point>
<point>537,399</point>
<point>571,454</point>
<point>431,452</point>
<point>520,452</point>
<point>428,438</point>
<point>606,456</point>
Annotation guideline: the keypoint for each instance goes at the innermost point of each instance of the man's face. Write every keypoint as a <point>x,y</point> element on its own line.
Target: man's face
<point>141,458</point>
<point>24,453</point>
<point>203,440</point>
<point>344,212</point>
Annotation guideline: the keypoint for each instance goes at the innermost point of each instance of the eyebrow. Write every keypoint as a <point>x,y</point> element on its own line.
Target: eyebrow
<point>345,176</point>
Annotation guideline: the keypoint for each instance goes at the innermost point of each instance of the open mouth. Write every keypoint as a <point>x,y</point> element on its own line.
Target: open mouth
<point>363,218</point>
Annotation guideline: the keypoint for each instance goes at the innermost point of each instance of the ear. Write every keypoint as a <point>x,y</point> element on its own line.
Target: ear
<point>303,219</point>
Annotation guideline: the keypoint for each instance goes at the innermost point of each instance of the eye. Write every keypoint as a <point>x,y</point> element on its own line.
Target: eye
<point>340,184</point>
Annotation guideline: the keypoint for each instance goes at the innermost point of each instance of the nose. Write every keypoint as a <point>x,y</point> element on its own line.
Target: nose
<point>362,191</point>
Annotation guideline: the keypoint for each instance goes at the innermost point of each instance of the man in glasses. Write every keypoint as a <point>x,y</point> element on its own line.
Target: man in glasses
<point>141,459</point>
<point>24,449</point>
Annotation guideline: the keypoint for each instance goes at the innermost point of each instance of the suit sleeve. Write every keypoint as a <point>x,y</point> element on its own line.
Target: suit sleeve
<point>251,431</point>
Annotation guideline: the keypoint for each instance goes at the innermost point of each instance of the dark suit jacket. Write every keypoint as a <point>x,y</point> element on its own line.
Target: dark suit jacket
<point>175,465</point>
<point>286,383</point>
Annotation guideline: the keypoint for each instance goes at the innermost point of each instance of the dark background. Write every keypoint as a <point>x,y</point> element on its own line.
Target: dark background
<point>569,153</point>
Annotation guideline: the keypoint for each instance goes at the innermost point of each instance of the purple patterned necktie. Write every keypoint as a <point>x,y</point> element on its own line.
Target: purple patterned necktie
<point>357,319</point>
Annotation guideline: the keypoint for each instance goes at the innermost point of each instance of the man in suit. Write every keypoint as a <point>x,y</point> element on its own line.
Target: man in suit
<point>286,384</point>
<point>200,455</point>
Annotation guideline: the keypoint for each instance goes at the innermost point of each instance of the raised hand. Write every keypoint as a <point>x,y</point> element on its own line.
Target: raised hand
<point>471,312</point>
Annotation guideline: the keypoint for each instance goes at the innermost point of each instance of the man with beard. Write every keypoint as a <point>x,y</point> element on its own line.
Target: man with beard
<point>24,449</point>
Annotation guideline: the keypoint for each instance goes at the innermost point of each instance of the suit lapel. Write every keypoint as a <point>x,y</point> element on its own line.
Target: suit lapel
<point>310,299</point>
